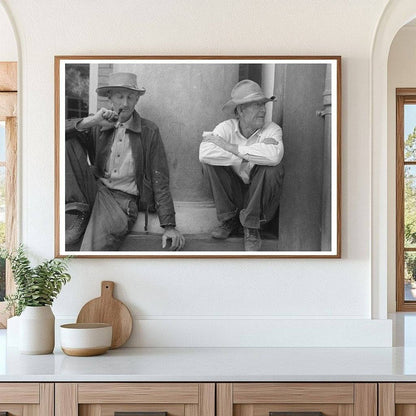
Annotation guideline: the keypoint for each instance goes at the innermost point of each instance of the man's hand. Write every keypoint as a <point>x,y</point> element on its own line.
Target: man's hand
<point>270,140</point>
<point>106,115</point>
<point>178,240</point>
<point>103,117</point>
<point>220,142</point>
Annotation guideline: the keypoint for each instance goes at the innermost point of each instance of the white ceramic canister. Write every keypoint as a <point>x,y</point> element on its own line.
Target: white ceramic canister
<point>37,330</point>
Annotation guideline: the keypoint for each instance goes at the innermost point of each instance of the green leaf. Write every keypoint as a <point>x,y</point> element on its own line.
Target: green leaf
<point>35,286</point>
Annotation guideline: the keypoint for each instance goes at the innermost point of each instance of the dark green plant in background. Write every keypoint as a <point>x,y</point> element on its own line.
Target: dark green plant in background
<point>35,286</point>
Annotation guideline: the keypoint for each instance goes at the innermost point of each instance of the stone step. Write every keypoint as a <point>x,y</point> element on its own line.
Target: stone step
<point>191,218</point>
<point>195,220</point>
<point>194,242</point>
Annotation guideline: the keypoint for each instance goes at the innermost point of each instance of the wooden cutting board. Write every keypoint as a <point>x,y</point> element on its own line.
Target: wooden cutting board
<point>107,309</point>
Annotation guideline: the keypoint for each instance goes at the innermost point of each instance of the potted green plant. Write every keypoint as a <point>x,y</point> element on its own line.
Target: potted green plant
<point>36,289</point>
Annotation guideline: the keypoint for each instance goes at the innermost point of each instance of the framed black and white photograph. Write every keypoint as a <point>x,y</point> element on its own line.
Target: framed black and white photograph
<point>198,156</point>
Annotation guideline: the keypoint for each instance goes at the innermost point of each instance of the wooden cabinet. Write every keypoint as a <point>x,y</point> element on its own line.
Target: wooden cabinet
<point>262,399</point>
<point>207,399</point>
<point>106,399</point>
<point>397,399</point>
<point>27,399</point>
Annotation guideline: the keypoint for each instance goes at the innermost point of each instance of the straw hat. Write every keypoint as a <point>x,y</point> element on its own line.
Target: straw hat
<point>246,91</point>
<point>120,80</point>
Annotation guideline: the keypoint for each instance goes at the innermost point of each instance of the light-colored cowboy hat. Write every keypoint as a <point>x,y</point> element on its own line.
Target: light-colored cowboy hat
<point>246,91</point>
<point>120,80</point>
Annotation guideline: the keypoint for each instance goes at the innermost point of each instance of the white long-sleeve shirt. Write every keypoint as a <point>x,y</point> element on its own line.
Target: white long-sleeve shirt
<point>263,147</point>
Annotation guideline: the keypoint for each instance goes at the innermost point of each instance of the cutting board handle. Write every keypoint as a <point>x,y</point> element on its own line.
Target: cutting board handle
<point>107,289</point>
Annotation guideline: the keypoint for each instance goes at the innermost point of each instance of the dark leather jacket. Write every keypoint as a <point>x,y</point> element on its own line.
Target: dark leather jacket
<point>152,172</point>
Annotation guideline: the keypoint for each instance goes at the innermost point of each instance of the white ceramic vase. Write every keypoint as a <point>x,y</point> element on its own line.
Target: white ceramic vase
<point>37,330</point>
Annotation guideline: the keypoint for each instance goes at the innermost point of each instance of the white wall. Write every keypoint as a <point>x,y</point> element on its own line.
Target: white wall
<point>401,74</point>
<point>8,46</point>
<point>178,298</point>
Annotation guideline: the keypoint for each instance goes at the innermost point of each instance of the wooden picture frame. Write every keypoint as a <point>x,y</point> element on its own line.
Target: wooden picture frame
<point>184,98</point>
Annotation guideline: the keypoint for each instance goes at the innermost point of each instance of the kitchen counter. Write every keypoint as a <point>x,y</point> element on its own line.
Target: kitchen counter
<point>213,364</point>
<point>222,364</point>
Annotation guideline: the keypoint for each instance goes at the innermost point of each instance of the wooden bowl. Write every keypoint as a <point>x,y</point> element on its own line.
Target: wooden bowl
<point>84,340</point>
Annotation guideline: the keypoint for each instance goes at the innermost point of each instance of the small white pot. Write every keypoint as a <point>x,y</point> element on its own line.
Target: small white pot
<point>37,330</point>
<point>86,339</point>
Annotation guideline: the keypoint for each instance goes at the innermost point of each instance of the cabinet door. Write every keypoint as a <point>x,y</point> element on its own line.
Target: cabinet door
<point>26,399</point>
<point>296,399</point>
<point>144,399</point>
<point>397,399</point>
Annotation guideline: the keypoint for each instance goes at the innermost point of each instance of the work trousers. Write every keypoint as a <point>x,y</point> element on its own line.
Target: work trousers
<point>112,212</point>
<point>256,203</point>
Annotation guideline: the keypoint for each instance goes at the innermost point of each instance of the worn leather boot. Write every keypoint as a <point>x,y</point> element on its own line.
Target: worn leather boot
<point>76,220</point>
<point>227,228</point>
<point>252,239</point>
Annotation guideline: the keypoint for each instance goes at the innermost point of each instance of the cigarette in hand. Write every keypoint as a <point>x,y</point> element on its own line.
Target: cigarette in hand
<point>118,116</point>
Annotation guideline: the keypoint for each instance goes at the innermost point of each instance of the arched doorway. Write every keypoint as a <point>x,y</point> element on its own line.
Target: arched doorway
<point>396,14</point>
<point>8,148</point>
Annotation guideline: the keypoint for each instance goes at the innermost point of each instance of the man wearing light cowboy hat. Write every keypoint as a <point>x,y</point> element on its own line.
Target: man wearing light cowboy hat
<point>127,170</point>
<point>242,161</point>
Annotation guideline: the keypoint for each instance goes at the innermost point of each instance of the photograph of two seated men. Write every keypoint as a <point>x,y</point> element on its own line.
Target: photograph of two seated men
<point>199,157</point>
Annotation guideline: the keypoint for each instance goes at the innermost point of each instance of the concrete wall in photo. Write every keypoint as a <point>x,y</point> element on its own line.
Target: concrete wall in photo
<point>184,100</point>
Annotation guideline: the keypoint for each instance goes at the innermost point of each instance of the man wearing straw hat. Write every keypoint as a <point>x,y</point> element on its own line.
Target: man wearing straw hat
<point>127,171</point>
<point>242,161</point>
